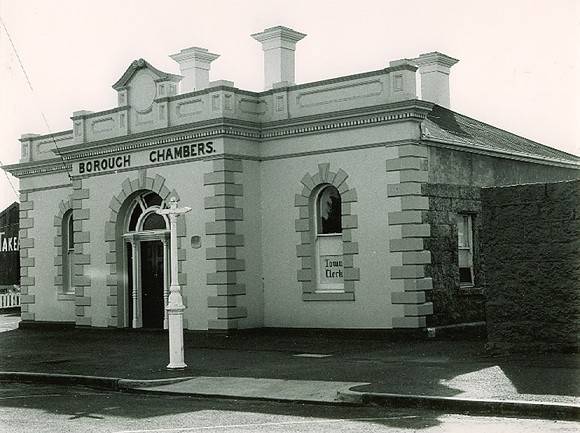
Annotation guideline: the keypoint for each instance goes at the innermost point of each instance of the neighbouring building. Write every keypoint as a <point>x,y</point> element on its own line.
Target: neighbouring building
<point>9,257</point>
<point>352,202</point>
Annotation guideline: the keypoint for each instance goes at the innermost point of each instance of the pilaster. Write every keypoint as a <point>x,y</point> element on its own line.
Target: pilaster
<point>27,260</point>
<point>80,126</point>
<point>81,258</point>
<point>407,170</point>
<point>224,227</point>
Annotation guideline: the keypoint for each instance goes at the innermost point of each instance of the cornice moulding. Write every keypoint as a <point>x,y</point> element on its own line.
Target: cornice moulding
<point>26,169</point>
<point>226,127</point>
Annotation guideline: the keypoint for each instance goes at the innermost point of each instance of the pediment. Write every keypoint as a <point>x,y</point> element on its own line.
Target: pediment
<point>138,65</point>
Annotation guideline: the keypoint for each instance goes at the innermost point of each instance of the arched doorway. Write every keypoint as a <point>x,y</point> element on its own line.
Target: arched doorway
<point>146,249</point>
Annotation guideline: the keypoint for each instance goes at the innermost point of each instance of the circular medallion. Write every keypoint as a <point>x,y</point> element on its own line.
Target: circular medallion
<point>143,92</point>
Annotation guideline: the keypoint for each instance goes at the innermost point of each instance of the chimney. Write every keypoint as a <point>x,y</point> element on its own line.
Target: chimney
<point>279,44</point>
<point>434,69</point>
<point>194,64</point>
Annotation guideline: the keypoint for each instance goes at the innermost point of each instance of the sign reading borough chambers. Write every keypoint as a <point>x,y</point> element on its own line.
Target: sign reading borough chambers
<point>148,157</point>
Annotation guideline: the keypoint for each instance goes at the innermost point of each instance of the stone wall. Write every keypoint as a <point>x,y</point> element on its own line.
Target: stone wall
<point>467,168</point>
<point>452,303</point>
<point>531,260</point>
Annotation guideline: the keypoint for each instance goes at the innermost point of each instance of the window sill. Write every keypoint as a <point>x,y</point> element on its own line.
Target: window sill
<point>66,297</point>
<point>321,296</point>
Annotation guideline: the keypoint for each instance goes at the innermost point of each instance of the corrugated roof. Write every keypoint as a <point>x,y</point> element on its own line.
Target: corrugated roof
<point>449,126</point>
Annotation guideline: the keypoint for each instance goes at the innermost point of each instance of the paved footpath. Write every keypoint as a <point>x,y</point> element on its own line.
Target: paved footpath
<point>452,375</point>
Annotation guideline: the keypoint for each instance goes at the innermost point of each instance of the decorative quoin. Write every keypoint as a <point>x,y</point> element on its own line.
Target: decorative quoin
<point>224,228</point>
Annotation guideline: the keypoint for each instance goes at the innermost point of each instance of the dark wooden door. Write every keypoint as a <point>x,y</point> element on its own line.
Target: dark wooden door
<point>152,284</point>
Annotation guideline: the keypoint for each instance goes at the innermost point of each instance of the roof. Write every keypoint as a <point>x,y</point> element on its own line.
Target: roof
<point>448,126</point>
<point>140,64</point>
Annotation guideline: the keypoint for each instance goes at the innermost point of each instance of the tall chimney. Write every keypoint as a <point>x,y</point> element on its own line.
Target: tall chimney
<point>194,64</point>
<point>279,44</point>
<point>434,69</point>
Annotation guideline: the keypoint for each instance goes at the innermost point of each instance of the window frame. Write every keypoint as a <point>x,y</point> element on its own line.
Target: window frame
<point>146,211</point>
<point>323,288</point>
<point>465,244</point>
<point>317,219</point>
<point>68,251</point>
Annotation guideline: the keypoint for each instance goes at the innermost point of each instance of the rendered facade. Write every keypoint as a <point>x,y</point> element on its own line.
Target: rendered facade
<point>345,203</point>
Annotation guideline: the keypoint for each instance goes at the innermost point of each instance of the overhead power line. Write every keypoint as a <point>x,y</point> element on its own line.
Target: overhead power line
<point>9,181</point>
<point>65,166</point>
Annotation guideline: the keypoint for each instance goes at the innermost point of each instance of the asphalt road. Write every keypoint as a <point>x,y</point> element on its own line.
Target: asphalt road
<point>58,409</point>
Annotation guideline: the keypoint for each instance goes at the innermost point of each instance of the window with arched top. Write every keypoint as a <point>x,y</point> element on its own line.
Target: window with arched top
<point>153,221</point>
<point>328,208</point>
<point>68,250</point>
<point>143,216</point>
<point>328,239</point>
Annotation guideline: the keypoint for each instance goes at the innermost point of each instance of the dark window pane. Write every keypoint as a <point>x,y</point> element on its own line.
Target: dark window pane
<point>134,217</point>
<point>465,275</point>
<point>70,234</point>
<point>152,199</point>
<point>329,211</point>
<point>154,221</point>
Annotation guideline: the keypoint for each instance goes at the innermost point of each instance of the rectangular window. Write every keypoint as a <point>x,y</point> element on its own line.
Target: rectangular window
<point>465,249</point>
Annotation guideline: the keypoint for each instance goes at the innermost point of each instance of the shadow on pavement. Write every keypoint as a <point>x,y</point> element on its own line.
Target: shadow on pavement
<point>86,404</point>
<point>419,367</point>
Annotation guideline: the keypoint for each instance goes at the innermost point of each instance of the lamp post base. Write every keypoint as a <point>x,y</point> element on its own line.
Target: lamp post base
<point>175,319</point>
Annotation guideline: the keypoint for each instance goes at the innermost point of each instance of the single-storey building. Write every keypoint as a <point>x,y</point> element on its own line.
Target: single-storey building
<point>9,257</point>
<point>348,203</point>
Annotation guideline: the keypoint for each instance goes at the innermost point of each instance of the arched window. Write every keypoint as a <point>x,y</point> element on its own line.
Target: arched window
<point>153,221</point>
<point>328,211</point>
<point>68,250</point>
<point>143,216</point>
<point>328,240</point>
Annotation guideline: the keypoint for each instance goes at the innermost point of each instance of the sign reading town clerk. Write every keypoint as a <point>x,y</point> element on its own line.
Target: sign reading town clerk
<point>146,157</point>
<point>331,269</point>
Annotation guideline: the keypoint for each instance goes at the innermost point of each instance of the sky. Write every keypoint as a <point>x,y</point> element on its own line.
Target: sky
<point>519,66</point>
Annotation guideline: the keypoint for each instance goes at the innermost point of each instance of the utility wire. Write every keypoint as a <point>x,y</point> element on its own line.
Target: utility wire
<point>9,181</point>
<point>64,164</point>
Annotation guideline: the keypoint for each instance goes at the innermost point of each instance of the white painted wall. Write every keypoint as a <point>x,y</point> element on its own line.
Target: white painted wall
<point>47,307</point>
<point>187,180</point>
<point>101,189</point>
<point>251,228</point>
<point>282,292</point>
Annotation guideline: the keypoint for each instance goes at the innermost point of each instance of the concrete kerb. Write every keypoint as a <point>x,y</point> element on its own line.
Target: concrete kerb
<point>546,410</point>
<point>110,383</point>
<point>60,379</point>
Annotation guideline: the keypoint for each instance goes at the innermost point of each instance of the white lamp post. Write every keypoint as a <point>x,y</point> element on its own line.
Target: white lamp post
<point>175,305</point>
